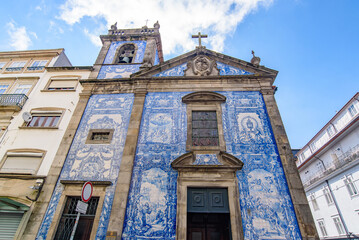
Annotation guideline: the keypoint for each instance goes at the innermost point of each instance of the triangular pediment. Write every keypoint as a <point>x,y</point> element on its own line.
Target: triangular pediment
<point>204,62</point>
<point>209,161</point>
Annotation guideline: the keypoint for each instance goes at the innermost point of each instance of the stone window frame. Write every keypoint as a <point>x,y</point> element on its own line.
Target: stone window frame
<point>10,63</point>
<point>50,111</point>
<point>22,81</point>
<point>118,52</point>
<point>48,60</point>
<point>91,131</point>
<point>70,78</point>
<point>204,101</point>
<point>74,188</point>
<point>25,152</point>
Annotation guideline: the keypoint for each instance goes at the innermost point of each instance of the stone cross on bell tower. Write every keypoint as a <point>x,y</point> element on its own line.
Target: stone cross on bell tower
<point>199,36</point>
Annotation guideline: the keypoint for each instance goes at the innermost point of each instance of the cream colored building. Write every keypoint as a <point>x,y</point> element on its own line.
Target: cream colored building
<point>38,93</point>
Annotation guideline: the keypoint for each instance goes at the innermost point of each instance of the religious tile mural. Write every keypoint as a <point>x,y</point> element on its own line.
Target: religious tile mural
<point>266,206</point>
<point>118,71</point>
<point>95,162</point>
<point>173,72</point>
<point>152,201</point>
<point>206,159</point>
<point>141,47</point>
<point>225,69</point>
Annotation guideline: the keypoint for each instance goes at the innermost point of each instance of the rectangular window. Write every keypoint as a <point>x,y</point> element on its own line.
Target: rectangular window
<point>339,225</point>
<point>37,65</point>
<point>328,196</point>
<point>330,130</point>
<point>50,121</point>
<point>322,228</point>
<point>3,88</point>
<point>314,202</point>
<point>100,136</point>
<point>22,88</point>
<point>16,66</point>
<point>302,156</point>
<point>2,64</point>
<point>62,84</point>
<point>68,218</point>
<point>352,110</point>
<point>350,186</point>
<point>21,162</point>
<point>204,128</point>
<point>313,147</point>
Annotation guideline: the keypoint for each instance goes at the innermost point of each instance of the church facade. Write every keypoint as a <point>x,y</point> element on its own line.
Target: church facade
<point>189,148</point>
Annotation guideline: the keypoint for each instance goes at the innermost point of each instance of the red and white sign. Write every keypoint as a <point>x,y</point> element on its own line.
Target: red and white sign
<point>87,190</point>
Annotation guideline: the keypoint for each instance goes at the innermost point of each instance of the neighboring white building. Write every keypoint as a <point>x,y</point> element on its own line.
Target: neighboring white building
<point>329,168</point>
<point>38,93</point>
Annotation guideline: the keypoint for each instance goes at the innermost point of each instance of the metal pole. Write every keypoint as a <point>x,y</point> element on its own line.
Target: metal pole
<point>75,226</point>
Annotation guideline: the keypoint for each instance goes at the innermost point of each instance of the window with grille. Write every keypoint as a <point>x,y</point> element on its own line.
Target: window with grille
<point>16,66</point>
<point>3,88</point>
<point>350,186</point>
<point>22,88</point>
<point>328,196</point>
<point>68,218</point>
<point>352,110</point>
<point>2,64</point>
<point>314,202</point>
<point>339,225</point>
<point>100,136</point>
<point>322,228</point>
<point>37,65</point>
<point>204,128</point>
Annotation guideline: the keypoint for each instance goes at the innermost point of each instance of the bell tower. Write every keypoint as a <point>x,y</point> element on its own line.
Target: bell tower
<point>126,51</point>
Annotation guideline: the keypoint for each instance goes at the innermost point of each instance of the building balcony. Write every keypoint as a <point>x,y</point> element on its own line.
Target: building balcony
<point>38,68</point>
<point>12,101</point>
<point>338,162</point>
<point>13,69</point>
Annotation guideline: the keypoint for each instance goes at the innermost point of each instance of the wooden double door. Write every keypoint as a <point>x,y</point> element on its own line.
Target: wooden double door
<point>208,215</point>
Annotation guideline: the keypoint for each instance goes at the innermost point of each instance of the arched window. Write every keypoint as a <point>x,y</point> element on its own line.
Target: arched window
<point>126,54</point>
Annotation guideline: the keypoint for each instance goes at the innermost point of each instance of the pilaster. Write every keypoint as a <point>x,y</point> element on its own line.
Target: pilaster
<point>117,217</point>
<point>300,203</point>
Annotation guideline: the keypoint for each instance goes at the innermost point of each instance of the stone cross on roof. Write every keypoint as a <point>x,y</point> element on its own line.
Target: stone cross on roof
<point>199,36</point>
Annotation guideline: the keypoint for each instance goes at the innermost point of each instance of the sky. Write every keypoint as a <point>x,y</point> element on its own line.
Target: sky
<point>314,44</point>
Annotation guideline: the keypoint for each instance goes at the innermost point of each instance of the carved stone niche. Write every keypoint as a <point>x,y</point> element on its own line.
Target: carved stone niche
<point>201,66</point>
<point>221,174</point>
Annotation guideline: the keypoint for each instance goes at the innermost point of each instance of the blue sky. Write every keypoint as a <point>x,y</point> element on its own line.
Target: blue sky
<point>312,43</point>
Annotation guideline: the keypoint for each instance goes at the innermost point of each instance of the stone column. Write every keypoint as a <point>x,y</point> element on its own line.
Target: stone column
<point>114,230</point>
<point>299,199</point>
<point>40,207</point>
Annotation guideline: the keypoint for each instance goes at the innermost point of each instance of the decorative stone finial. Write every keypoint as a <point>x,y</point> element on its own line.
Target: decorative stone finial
<point>255,60</point>
<point>114,26</point>
<point>156,25</point>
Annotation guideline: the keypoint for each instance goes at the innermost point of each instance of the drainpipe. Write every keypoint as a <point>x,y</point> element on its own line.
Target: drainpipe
<point>338,210</point>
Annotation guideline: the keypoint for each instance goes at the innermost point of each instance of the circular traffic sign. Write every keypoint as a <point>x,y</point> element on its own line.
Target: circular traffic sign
<point>87,190</point>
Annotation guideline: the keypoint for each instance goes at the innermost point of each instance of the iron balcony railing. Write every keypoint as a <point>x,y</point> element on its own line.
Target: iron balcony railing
<point>338,162</point>
<point>13,100</point>
<point>13,69</point>
<point>35,68</point>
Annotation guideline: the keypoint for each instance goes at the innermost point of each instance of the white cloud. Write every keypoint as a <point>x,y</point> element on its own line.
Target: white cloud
<point>94,38</point>
<point>19,37</point>
<point>178,18</point>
